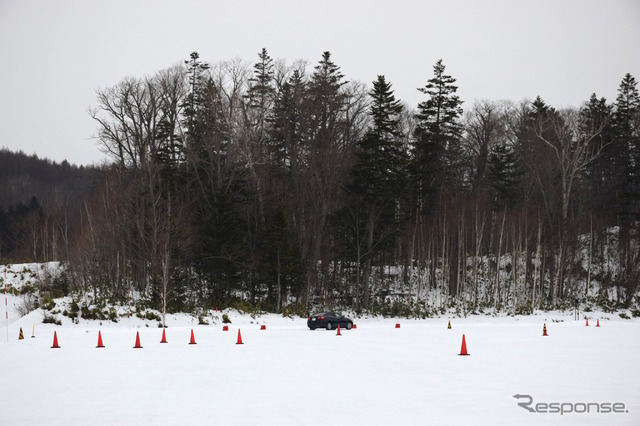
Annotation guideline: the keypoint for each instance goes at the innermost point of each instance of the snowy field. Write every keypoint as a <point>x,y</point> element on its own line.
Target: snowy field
<point>289,375</point>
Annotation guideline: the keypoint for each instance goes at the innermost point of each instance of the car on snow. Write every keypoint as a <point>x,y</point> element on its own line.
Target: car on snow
<point>329,320</point>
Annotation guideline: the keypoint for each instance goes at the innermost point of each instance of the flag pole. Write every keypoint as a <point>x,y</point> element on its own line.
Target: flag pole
<point>6,305</point>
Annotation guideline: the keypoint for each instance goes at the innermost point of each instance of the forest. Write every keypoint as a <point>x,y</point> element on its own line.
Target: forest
<point>283,187</point>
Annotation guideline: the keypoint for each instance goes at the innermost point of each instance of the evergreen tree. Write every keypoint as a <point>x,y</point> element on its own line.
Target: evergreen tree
<point>505,175</point>
<point>604,174</point>
<point>380,169</point>
<point>286,131</point>
<point>436,148</point>
<point>279,262</point>
<point>327,101</point>
<point>378,181</point>
<point>261,90</point>
<point>626,122</point>
<point>196,97</point>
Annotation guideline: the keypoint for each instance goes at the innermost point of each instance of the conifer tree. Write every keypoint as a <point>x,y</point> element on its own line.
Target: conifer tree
<point>378,180</point>
<point>604,174</point>
<point>436,148</point>
<point>626,122</point>
<point>286,131</point>
<point>505,175</point>
<point>279,263</point>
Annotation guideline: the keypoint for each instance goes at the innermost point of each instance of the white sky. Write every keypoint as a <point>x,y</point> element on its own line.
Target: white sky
<point>55,54</point>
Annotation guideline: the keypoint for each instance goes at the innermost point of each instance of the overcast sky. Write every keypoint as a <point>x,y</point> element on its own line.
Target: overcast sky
<point>55,54</point>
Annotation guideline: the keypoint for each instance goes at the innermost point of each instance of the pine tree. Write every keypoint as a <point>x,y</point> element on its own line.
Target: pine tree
<point>603,174</point>
<point>285,138</point>
<point>261,90</point>
<point>196,98</point>
<point>279,262</point>
<point>505,175</point>
<point>378,181</point>
<point>326,103</point>
<point>436,149</point>
<point>626,122</point>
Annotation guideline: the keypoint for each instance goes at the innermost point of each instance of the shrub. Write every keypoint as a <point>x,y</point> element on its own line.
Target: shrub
<point>48,303</point>
<point>50,319</point>
<point>90,313</point>
<point>113,314</point>
<point>27,304</point>
<point>27,288</point>
<point>75,308</point>
<point>225,319</point>
<point>60,286</point>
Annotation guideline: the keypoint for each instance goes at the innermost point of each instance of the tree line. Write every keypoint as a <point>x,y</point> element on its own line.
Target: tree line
<point>284,185</point>
<point>40,205</point>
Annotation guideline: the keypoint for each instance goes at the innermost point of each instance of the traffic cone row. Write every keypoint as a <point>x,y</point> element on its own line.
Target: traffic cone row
<point>137,345</point>
<point>463,349</point>
<point>597,322</point>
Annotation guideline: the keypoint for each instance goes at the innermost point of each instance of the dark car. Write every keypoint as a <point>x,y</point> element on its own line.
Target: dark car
<point>329,320</point>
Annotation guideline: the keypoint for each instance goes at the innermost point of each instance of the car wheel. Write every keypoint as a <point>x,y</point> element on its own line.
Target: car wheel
<point>329,326</point>
<point>349,325</point>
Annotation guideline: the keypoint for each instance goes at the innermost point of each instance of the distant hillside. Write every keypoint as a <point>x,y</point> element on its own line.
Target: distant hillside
<point>53,184</point>
<point>40,201</point>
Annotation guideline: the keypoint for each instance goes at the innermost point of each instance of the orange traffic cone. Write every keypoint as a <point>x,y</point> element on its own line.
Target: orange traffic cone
<point>397,325</point>
<point>193,339</point>
<point>225,328</point>
<point>338,333</point>
<point>463,350</point>
<point>263,327</point>
<point>55,341</point>
<point>544,330</point>
<point>20,336</point>
<point>355,326</point>
<point>239,342</point>
<point>100,344</point>
<point>587,322</point>
<point>164,336</point>
<point>137,346</point>
<point>598,322</point>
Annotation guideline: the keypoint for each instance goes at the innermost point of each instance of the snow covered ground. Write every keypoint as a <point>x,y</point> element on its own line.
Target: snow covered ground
<point>289,375</point>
